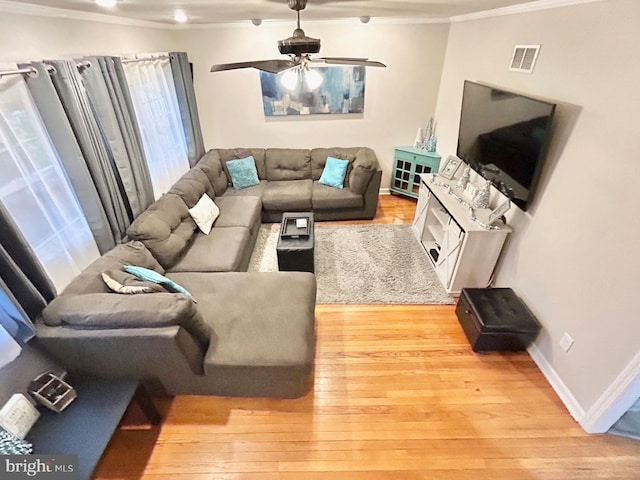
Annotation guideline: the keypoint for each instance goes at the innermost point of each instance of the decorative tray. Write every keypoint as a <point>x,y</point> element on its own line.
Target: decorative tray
<point>289,229</point>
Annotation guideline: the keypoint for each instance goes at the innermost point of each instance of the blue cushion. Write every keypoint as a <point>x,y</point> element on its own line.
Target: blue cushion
<point>152,276</point>
<point>243,173</point>
<point>334,172</point>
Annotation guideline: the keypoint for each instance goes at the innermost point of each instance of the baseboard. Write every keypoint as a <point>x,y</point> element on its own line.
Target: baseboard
<point>572,404</point>
<point>384,191</point>
<point>623,392</point>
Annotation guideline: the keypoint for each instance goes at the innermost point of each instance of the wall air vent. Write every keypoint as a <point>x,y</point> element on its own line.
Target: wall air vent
<point>524,58</point>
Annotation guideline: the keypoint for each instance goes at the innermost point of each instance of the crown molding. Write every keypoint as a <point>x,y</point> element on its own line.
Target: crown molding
<point>7,6</point>
<point>289,23</point>
<point>522,8</point>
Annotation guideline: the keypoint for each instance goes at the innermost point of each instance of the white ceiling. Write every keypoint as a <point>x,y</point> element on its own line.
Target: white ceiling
<point>221,11</point>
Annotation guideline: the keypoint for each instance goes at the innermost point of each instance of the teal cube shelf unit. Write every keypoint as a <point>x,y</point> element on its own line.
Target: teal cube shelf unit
<point>408,164</point>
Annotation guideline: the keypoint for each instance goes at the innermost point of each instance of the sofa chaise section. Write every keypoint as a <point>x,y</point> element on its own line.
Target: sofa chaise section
<point>261,330</point>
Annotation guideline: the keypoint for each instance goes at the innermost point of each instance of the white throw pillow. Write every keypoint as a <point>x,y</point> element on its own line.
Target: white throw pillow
<point>204,213</point>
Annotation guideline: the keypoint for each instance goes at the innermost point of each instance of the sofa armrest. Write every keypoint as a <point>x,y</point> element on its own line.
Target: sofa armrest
<point>96,311</point>
<point>168,359</point>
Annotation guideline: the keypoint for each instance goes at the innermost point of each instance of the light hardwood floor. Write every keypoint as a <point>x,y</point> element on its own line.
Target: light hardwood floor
<point>398,394</point>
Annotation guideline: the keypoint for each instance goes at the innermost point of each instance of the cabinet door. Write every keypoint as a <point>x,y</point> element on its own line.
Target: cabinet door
<point>449,251</point>
<point>421,212</point>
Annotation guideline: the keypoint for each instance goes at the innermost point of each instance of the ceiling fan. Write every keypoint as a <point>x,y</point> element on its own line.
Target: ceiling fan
<point>299,47</point>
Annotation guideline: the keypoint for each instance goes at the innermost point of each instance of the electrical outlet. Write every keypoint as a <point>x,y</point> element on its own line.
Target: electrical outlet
<point>566,342</point>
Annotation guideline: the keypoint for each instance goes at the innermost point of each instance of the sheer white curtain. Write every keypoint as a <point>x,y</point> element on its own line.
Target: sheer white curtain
<point>156,105</point>
<point>35,190</point>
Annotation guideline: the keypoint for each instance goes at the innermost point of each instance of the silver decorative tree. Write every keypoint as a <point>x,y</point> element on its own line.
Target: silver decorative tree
<point>481,198</point>
<point>463,181</point>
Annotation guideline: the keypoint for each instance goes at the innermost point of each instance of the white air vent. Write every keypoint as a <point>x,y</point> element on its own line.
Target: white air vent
<point>524,58</point>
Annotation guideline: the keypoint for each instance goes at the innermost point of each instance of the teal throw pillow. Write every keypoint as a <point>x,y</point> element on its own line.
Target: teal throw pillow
<point>152,276</point>
<point>243,173</point>
<point>334,172</point>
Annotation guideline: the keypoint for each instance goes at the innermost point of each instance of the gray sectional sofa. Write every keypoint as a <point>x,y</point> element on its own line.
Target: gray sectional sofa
<point>249,334</point>
<point>289,182</point>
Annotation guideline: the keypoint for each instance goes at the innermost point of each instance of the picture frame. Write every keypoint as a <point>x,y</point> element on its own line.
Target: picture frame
<point>448,169</point>
<point>499,211</point>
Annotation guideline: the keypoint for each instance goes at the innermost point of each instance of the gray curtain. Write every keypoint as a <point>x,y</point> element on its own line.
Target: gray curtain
<point>22,278</point>
<point>63,139</point>
<point>93,145</point>
<point>183,81</point>
<point>109,96</point>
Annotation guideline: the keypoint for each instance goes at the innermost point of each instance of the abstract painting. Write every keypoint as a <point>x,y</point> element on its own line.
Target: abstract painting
<point>342,91</point>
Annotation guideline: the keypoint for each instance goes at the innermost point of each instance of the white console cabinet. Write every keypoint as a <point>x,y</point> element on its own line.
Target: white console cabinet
<point>463,252</point>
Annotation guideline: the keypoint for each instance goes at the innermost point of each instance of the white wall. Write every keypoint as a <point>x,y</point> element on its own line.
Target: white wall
<point>574,256</point>
<point>26,38</point>
<point>398,99</point>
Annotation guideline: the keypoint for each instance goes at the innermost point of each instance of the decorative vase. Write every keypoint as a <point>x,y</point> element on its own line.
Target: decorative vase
<point>419,141</point>
<point>481,198</point>
<point>464,179</point>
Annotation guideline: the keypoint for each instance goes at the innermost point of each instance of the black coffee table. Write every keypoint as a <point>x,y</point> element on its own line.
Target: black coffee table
<point>295,244</point>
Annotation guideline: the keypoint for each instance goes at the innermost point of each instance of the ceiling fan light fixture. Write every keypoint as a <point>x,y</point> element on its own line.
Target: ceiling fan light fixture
<point>312,78</point>
<point>180,16</point>
<point>256,21</point>
<point>106,3</point>
<point>365,19</point>
<point>289,79</point>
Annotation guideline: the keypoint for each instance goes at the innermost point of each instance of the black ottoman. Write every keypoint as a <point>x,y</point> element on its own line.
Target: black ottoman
<point>495,319</point>
<point>295,245</point>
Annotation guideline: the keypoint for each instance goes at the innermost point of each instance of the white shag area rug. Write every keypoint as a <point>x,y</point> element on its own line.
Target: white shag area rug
<point>362,265</point>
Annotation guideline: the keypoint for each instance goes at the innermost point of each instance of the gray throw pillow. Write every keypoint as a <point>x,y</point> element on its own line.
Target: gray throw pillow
<point>101,311</point>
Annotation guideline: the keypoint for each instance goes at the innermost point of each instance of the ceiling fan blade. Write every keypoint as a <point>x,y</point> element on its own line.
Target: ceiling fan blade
<point>347,61</point>
<point>271,66</point>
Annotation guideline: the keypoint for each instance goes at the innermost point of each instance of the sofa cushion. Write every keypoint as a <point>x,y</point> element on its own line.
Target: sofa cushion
<point>359,179</point>
<point>288,164</point>
<point>260,319</point>
<point>191,186</point>
<point>223,250</point>
<point>364,166</point>
<point>96,311</point>
<point>243,173</point>
<point>204,213</point>
<point>334,172</point>
<point>239,212</point>
<point>329,198</point>
<point>288,195</point>
<point>256,191</point>
<point>166,229</point>
<point>120,281</point>
<point>211,165</point>
<point>90,279</point>
<point>227,154</point>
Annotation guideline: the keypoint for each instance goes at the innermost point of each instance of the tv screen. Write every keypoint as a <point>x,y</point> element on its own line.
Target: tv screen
<point>504,137</point>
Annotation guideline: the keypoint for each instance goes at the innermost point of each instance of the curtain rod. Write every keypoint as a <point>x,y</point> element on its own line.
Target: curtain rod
<point>131,60</point>
<point>29,70</point>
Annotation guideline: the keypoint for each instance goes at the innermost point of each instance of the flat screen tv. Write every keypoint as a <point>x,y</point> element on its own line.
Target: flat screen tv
<point>504,137</point>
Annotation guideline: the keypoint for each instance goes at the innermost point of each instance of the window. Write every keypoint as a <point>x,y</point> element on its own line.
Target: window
<point>156,106</point>
<point>35,190</point>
